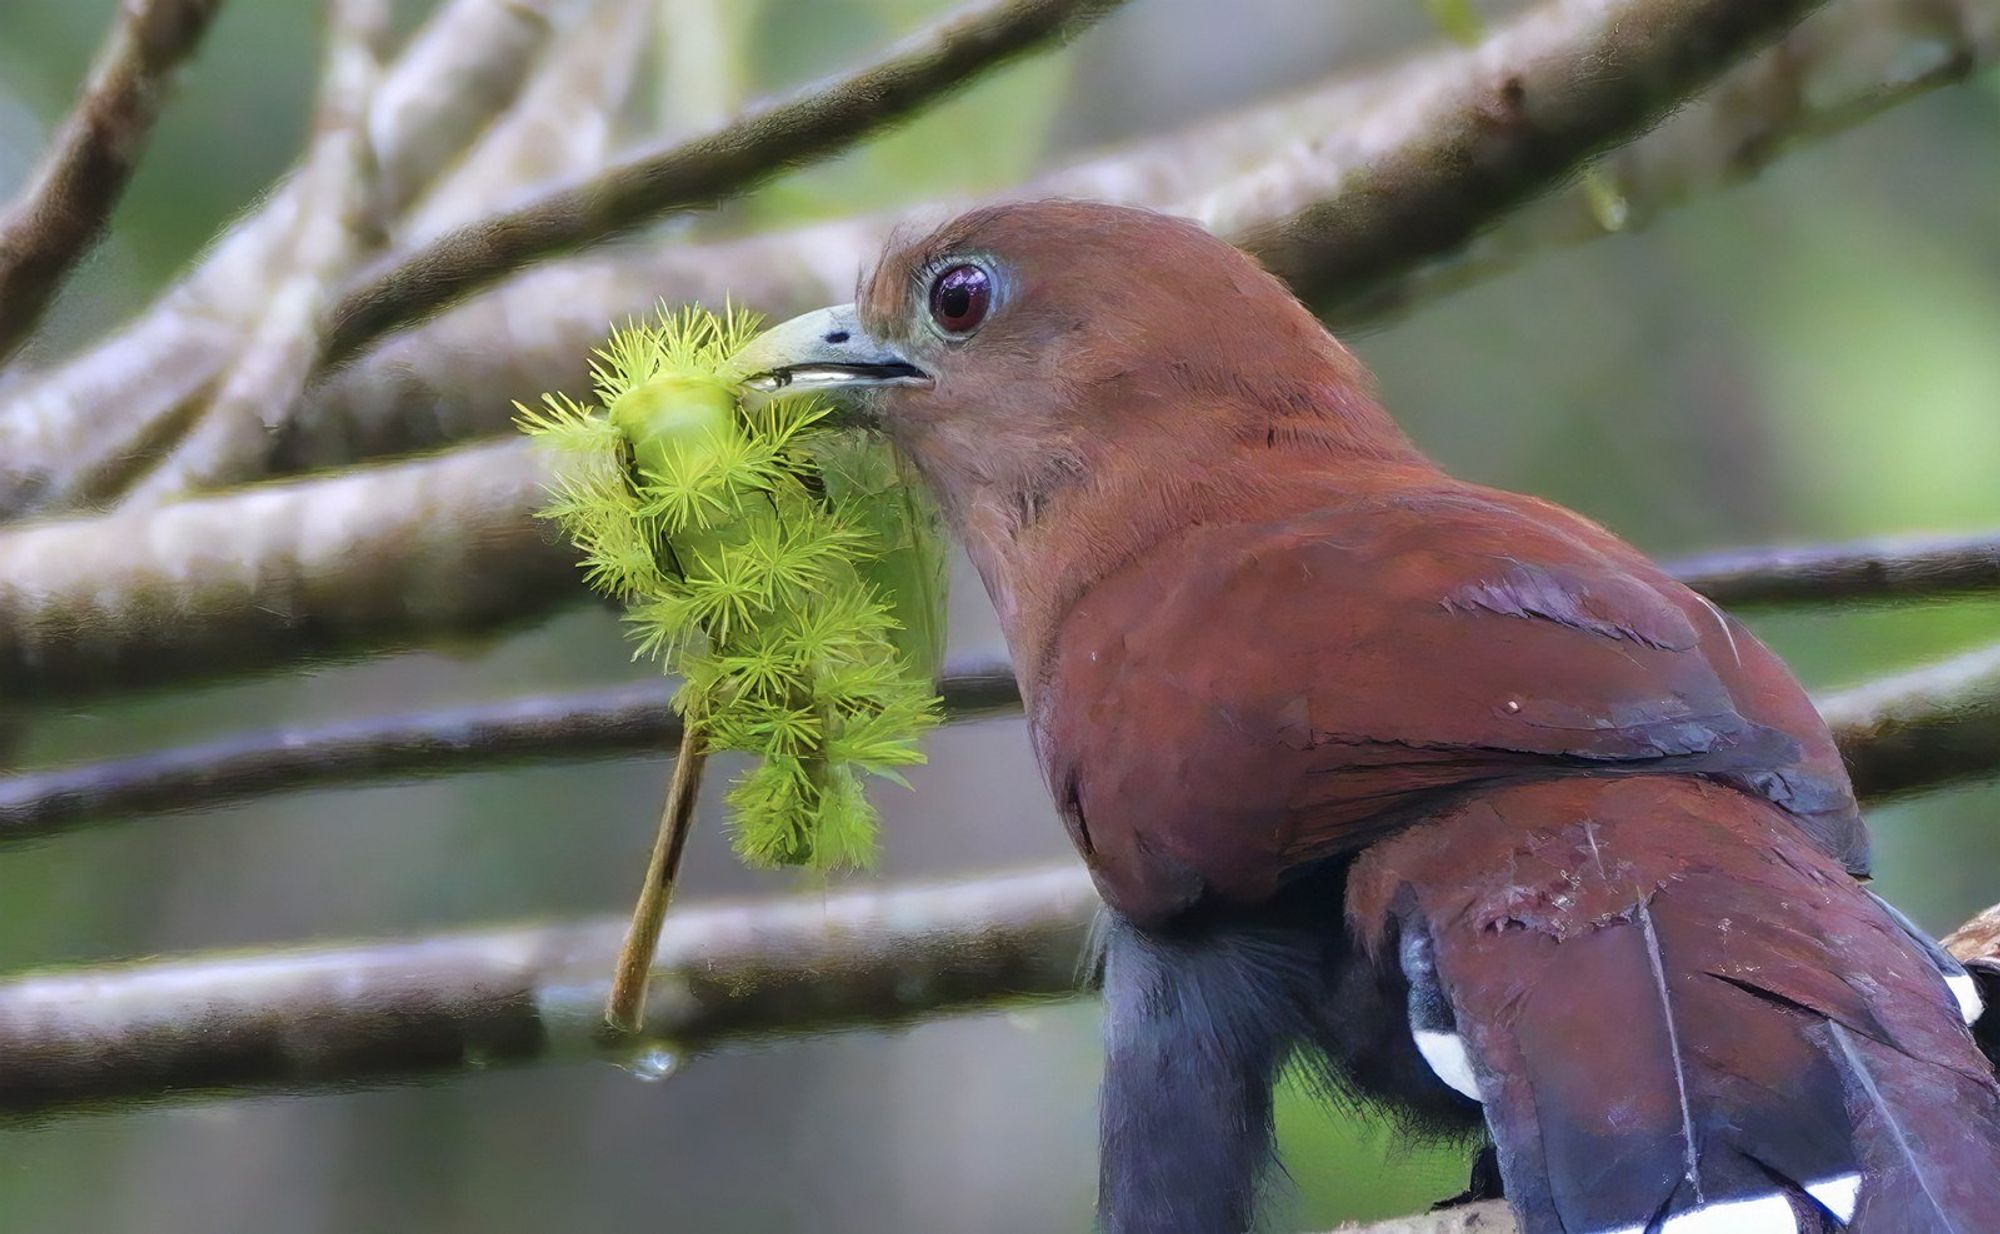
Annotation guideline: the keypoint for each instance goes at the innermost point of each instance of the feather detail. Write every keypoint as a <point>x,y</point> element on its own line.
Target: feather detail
<point>1686,1019</point>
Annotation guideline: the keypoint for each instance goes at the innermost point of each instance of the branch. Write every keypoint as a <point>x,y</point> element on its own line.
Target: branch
<point>339,222</point>
<point>1912,732</point>
<point>1920,730</point>
<point>635,720</point>
<point>335,1016</point>
<point>1895,569</point>
<point>1515,120</point>
<point>379,558</point>
<point>1486,1218</point>
<point>740,154</point>
<point>454,376</point>
<point>59,216</point>
<point>561,127</point>
<point>67,436</point>
<point>374,559</point>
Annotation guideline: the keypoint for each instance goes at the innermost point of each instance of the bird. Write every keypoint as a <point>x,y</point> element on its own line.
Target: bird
<point>1445,793</point>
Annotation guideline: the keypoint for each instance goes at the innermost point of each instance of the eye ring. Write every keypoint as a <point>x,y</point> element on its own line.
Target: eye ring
<point>960,297</point>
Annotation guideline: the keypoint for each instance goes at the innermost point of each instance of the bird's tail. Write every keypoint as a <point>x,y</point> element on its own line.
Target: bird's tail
<point>1681,1018</point>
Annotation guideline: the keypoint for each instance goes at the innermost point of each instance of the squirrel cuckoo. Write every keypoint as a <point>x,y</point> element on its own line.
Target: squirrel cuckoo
<point>1445,790</point>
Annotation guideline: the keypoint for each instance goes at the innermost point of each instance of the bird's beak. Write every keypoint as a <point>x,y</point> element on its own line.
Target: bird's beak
<point>824,351</point>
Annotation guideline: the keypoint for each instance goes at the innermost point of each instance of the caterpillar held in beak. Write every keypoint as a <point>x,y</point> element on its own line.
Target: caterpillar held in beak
<point>789,571</point>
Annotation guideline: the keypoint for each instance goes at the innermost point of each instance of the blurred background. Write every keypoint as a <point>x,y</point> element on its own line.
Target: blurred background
<point>1814,356</point>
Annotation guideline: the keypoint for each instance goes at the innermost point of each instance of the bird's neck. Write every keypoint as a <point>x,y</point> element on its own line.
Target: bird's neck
<point>1039,558</point>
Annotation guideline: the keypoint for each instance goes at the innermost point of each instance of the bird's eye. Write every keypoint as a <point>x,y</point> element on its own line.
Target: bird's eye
<point>960,297</point>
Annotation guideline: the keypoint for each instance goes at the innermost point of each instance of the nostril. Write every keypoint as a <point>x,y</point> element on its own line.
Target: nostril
<point>838,336</point>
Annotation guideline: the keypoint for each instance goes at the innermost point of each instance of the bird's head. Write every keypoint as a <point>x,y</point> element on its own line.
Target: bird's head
<point>1075,378</point>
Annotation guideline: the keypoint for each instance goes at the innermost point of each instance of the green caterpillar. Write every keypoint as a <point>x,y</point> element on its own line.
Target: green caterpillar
<point>789,571</point>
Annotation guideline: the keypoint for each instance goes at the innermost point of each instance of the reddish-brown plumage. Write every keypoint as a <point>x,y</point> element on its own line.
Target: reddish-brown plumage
<point>1286,679</point>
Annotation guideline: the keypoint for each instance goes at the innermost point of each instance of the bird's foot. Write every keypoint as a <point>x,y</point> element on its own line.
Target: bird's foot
<point>1484,1183</point>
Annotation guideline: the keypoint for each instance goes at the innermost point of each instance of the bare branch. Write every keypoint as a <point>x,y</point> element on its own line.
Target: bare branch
<point>383,557</point>
<point>745,152</point>
<point>334,1016</point>
<point>59,216</point>
<point>464,67</point>
<point>1896,569</point>
<point>1910,732</point>
<point>70,435</point>
<point>339,222</point>
<point>561,129</point>
<point>1488,1218</point>
<point>1920,730</point>
<point>620,722</point>
<point>453,377</point>
<point>368,560</point>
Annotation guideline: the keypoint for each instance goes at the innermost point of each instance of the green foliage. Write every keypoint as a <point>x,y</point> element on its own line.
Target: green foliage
<point>787,570</point>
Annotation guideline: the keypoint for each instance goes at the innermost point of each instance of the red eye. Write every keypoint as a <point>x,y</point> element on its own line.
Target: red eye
<point>959,299</point>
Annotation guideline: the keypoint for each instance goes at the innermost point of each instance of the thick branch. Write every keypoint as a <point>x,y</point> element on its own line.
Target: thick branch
<point>56,219</point>
<point>1916,568</point>
<point>378,558</point>
<point>370,560</point>
<point>738,155</point>
<point>1517,119</point>
<point>334,1016</point>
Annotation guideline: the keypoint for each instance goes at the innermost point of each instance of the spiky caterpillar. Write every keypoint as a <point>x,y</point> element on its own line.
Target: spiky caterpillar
<point>786,570</point>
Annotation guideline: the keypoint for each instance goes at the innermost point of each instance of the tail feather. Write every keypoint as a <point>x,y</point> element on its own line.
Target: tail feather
<point>1683,1019</point>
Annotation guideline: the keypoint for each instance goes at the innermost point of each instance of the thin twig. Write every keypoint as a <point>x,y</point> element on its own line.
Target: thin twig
<point>339,222</point>
<point>625,1006</point>
<point>1909,732</point>
<point>1891,569</point>
<point>67,435</point>
<point>47,229</point>
<point>619,722</point>
<point>1924,729</point>
<point>745,152</point>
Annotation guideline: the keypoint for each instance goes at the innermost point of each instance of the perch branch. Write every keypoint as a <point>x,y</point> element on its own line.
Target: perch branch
<point>1490,1217</point>
<point>734,157</point>
<point>454,376</point>
<point>69,198</point>
<point>70,432</point>
<point>339,221</point>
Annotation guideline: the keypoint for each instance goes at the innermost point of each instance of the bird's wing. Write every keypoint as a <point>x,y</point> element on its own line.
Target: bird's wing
<point>1253,697</point>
